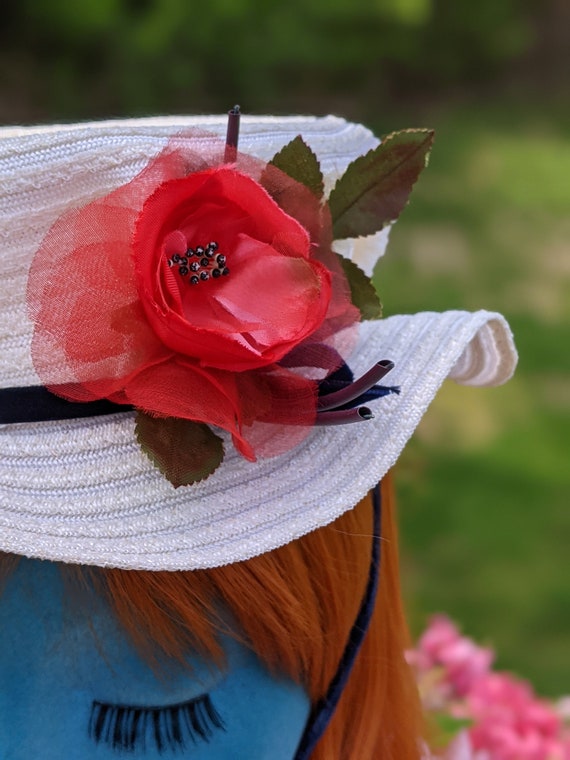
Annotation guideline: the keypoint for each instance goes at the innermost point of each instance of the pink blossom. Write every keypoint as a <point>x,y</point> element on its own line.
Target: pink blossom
<point>460,748</point>
<point>461,660</point>
<point>507,720</point>
<point>511,723</point>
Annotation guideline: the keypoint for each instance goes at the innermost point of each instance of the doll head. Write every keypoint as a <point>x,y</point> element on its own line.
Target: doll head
<point>258,642</point>
<point>191,407</point>
<point>79,688</point>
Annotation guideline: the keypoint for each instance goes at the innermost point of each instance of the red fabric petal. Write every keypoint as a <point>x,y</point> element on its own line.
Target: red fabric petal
<point>282,407</point>
<point>236,402</point>
<point>115,319</point>
<point>177,388</point>
<point>85,305</point>
<point>338,329</point>
<point>238,322</point>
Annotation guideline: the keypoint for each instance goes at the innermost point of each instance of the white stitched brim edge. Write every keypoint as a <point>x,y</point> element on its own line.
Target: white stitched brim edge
<point>81,491</point>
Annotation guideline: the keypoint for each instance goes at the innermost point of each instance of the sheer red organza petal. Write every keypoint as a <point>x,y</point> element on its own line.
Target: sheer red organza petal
<point>117,314</point>
<point>287,395</point>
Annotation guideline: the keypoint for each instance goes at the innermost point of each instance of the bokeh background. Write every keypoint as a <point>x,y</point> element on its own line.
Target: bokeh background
<point>485,486</point>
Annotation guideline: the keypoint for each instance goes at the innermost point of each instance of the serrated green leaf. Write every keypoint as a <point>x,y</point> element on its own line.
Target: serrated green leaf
<point>184,451</point>
<point>362,291</point>
<point>298,161</point>
<point>375,188</point>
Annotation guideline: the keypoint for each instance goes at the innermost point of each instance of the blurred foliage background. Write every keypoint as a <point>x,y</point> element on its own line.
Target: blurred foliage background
<point>485,486</point>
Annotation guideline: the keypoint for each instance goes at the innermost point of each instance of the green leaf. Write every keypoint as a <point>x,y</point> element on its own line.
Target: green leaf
<point>375,188</point>
<point>298,161</point>
<point>448,727</point>
<point>362,291</point>
<point>184,451</point>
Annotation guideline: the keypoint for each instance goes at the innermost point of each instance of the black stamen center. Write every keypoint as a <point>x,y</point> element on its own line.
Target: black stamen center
<point>200,263</point>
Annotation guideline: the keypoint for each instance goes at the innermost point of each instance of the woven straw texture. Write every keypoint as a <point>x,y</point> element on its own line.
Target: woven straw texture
<point>81,491</point>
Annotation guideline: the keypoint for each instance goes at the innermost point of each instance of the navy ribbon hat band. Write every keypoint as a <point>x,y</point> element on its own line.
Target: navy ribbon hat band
<point>338,394</point>
<point>35,403</point>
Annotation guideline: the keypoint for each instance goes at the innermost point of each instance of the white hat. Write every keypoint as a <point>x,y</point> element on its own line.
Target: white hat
<point>82,491</point>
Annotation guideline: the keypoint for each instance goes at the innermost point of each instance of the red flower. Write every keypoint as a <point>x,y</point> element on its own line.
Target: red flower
<point>274,294</point>
<point>181,292</point>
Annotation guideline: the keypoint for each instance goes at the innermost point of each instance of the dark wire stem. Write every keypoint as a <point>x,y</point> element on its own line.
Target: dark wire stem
<point>232,135</point>
<point>355,389</point>
<point>344,416</point>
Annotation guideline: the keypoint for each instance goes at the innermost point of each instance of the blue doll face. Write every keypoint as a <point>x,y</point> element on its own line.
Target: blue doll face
<point>72,686</point>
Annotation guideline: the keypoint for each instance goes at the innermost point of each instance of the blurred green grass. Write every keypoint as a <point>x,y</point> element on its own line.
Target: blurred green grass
<point>484,487</point>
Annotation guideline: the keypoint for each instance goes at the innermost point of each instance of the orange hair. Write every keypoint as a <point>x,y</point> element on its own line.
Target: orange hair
<point>295,607</point>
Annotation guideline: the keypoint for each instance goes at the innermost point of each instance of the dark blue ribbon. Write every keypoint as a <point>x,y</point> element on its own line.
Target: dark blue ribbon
<point>323,710</point>
<point>35,403</point>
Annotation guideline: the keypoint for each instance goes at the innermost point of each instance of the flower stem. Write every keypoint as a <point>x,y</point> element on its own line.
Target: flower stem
<point>232,135</point>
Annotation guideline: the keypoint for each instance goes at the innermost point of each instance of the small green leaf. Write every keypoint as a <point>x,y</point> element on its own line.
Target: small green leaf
<point>448,727</point>
<point>298,161</point>
<point>184,451</point>
<point>375,188</point>
<point>362,291</point>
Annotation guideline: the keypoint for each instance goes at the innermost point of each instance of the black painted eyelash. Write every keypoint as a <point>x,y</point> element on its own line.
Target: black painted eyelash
<point>126,728</point>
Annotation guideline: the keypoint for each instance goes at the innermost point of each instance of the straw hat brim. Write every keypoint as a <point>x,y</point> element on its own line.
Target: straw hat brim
<point>81,491</point>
